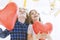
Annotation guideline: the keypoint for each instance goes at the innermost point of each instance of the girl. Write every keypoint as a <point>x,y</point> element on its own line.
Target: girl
<point>34,16</point>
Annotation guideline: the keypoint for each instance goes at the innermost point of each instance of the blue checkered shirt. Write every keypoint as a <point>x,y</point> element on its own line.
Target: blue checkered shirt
<point>18,33</point>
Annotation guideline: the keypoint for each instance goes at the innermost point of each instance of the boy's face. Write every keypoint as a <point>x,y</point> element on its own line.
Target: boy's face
<point>22,14</point>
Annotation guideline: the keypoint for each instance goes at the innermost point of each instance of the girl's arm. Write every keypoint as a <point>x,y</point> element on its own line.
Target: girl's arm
<point>30,37</point>
<point>30,31</point>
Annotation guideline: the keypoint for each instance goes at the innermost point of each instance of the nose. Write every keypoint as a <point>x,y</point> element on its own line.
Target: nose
<point>36,15</point>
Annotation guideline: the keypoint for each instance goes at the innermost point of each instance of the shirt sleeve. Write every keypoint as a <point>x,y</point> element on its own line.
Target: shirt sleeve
<point>4,33</point>
<point>30,29</point>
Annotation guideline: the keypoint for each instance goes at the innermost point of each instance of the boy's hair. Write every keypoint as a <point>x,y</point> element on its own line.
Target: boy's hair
<point>25,10</point>
<point>30,19</point>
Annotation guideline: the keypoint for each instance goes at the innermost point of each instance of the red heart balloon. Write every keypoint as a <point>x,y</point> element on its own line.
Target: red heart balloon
<point>48,27</point>
<point>42,28</point>
<point>38,27</point>
<point>8,15</point>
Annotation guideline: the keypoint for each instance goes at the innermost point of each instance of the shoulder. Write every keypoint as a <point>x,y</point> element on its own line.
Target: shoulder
<point>30,25</point>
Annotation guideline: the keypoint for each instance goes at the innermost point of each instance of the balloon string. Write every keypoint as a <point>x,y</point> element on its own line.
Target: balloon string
<point>10,0</point>
<point>35,0</point>
<point>57,13</point>
<point>25,3</point>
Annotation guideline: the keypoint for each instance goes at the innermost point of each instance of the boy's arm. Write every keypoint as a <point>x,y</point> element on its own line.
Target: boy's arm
<point>4,33</point>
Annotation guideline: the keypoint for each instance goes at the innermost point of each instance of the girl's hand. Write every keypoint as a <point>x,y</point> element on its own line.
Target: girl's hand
<point>38,35</point>
<point>46,36</point>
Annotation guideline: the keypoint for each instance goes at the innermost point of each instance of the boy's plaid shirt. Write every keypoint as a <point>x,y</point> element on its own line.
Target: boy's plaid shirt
<point>18,33</point>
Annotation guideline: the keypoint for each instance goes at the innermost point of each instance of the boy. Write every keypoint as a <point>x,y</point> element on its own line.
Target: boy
<point>20,29</point>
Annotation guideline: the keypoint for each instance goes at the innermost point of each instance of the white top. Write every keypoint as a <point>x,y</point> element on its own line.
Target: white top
<point>31,31</point>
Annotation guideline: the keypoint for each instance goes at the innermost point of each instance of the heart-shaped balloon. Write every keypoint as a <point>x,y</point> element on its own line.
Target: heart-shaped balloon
<point>8,15</point>
<point>42,28</point>
<point>38,27</point>
<point>47,27</point>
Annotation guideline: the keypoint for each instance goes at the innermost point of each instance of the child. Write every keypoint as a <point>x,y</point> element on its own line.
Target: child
<point>20,29</point>
<point>34,16</point>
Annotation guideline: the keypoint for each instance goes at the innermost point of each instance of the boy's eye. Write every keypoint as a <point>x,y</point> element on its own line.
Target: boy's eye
<point>31,13</point>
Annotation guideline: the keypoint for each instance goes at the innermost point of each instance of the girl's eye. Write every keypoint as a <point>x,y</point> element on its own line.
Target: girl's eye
<point>38,14</point>
<point>32,13</point>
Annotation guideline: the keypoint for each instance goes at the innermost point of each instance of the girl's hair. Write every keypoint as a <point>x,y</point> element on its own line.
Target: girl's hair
<point>27,19</point>
<point>30,19</point>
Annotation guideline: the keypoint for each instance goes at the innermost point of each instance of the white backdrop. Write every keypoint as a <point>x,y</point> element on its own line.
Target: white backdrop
<point>43,7</point>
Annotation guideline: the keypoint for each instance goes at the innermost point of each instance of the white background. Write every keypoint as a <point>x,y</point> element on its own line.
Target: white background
<point>43,7</point>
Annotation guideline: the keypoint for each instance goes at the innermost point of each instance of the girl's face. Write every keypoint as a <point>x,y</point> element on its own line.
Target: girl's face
<point>22,14</point>
<point>34,16</point>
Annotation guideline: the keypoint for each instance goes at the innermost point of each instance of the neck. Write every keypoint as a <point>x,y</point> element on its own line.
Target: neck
<point>21,20</point>
<point>35,21</point>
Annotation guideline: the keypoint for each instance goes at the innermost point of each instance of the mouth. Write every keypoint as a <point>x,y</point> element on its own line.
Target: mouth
<point>22,17</point>
<point>35,16</point>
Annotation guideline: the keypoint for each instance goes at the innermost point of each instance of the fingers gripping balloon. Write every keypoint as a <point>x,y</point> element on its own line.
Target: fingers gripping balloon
<point>8,15</point>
